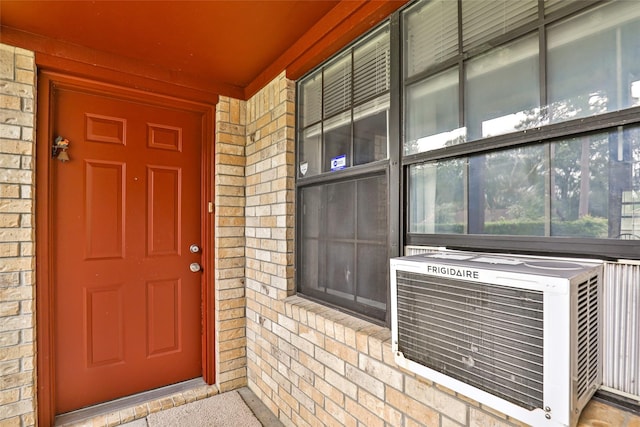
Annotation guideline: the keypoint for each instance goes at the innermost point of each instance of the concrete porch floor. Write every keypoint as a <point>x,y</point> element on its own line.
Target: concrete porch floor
<point>133,411</point>
<point>261,412</point>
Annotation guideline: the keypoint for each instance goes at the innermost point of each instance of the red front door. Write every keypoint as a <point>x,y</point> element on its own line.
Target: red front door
<point>126,209</point>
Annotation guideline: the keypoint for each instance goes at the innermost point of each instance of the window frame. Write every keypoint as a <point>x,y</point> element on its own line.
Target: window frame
<point>610,249</point>
<point>388,167</point>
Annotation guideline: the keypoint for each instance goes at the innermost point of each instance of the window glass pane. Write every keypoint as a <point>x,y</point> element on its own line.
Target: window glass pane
<point>486,19</point>
<point>311,202</point>
<point>503,90</point>
<point>437,197</point>
<point>372,273</point>
<point>311,259</point>
<point>372,209</point>
<point>370,136</point>
<point>339,208</point>
<point>432,117</point>
<point>311,264</point>
<point>340,270</point>
<point>311,99</point>
<point>596,185</point>
<point>431,34</point>
<point>309,151</point>
<point>591,184</point>
<point>594,62</point>
<point>337,143</point>
<point>337,86</point>
<point>371,64</point>
<point>513,192</point>
<point>336,263</point>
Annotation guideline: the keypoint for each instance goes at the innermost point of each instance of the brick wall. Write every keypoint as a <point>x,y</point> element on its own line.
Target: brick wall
<point>17,262</point>
<point>312,365</point>
<point>231,362</point>
<point>269,235</point>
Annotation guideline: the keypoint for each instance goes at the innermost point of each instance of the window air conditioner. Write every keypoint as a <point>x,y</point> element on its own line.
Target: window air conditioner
<point>518,334</point>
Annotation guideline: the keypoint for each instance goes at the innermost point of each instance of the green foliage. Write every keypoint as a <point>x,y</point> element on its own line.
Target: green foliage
<point>587,226</point>
<point>515,227</point>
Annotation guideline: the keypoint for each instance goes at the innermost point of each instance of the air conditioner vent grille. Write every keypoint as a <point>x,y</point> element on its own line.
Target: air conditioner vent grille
<point>488,336</point>
<point>588,358</point>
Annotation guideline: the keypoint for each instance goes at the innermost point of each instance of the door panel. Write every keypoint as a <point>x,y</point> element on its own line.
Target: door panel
<point>104,194</point>
<point>126,207</point>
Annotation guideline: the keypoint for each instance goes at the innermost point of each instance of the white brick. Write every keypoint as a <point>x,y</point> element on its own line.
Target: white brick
<point>381,371</point>
<point>478,418</point>
<point>302,344</point>
<point>10,131</point>
<point>281,332</point>
<point>331,361</point>
<point>366,381</point>
<point>341,383</point>
<point>442,402</point>
<point>303,399</point>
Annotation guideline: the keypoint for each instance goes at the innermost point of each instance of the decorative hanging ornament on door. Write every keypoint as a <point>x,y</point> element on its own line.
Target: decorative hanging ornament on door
<point>59,149</point>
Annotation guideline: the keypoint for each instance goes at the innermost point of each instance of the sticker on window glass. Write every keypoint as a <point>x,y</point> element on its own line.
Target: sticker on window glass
<point>339,162</point>
<point>304,167</point>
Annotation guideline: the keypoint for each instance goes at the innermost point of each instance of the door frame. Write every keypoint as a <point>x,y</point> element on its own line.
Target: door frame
<point>45,319</point>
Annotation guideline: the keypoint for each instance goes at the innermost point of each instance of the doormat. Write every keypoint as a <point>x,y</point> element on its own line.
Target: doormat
<point>222,410</point>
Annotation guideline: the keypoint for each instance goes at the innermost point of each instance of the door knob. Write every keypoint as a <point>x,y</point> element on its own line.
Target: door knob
<point>195,267</point>
<point>194,249</point>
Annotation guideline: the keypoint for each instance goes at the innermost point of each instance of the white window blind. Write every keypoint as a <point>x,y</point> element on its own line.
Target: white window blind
<point>483,20</point>
<point>371,64</point>
<point>311,96</point>
<point>431,34</point>
<point>551,6</point>
<point>337,86</point>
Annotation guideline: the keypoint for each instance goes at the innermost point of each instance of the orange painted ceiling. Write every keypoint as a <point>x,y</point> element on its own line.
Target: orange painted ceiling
<point>226,44</point>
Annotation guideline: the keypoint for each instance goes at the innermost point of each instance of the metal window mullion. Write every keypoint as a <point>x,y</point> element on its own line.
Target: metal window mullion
<point>322,247</point>
<point>542,56</point>
<point>460,42</point>
<point>549,185</point>
<point>322,243</point>
<point>461,70</point>
<point>355,240</point>
<point>395,138</point>
<point>351,103</point>
<point>322,145</point>
<point>544,99</point>
<point>462,115</point>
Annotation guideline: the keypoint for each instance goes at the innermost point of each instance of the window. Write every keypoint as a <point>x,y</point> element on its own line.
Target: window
<point>342,185</point>
<point>528,130</point>
<point>579,186</point>
<point>343,109</point>
<point>343,254</point>
<point>485,125</point>
<point>593,62</point>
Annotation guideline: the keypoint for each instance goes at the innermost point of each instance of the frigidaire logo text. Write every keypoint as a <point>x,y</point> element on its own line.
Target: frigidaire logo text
<point>446,270</point>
